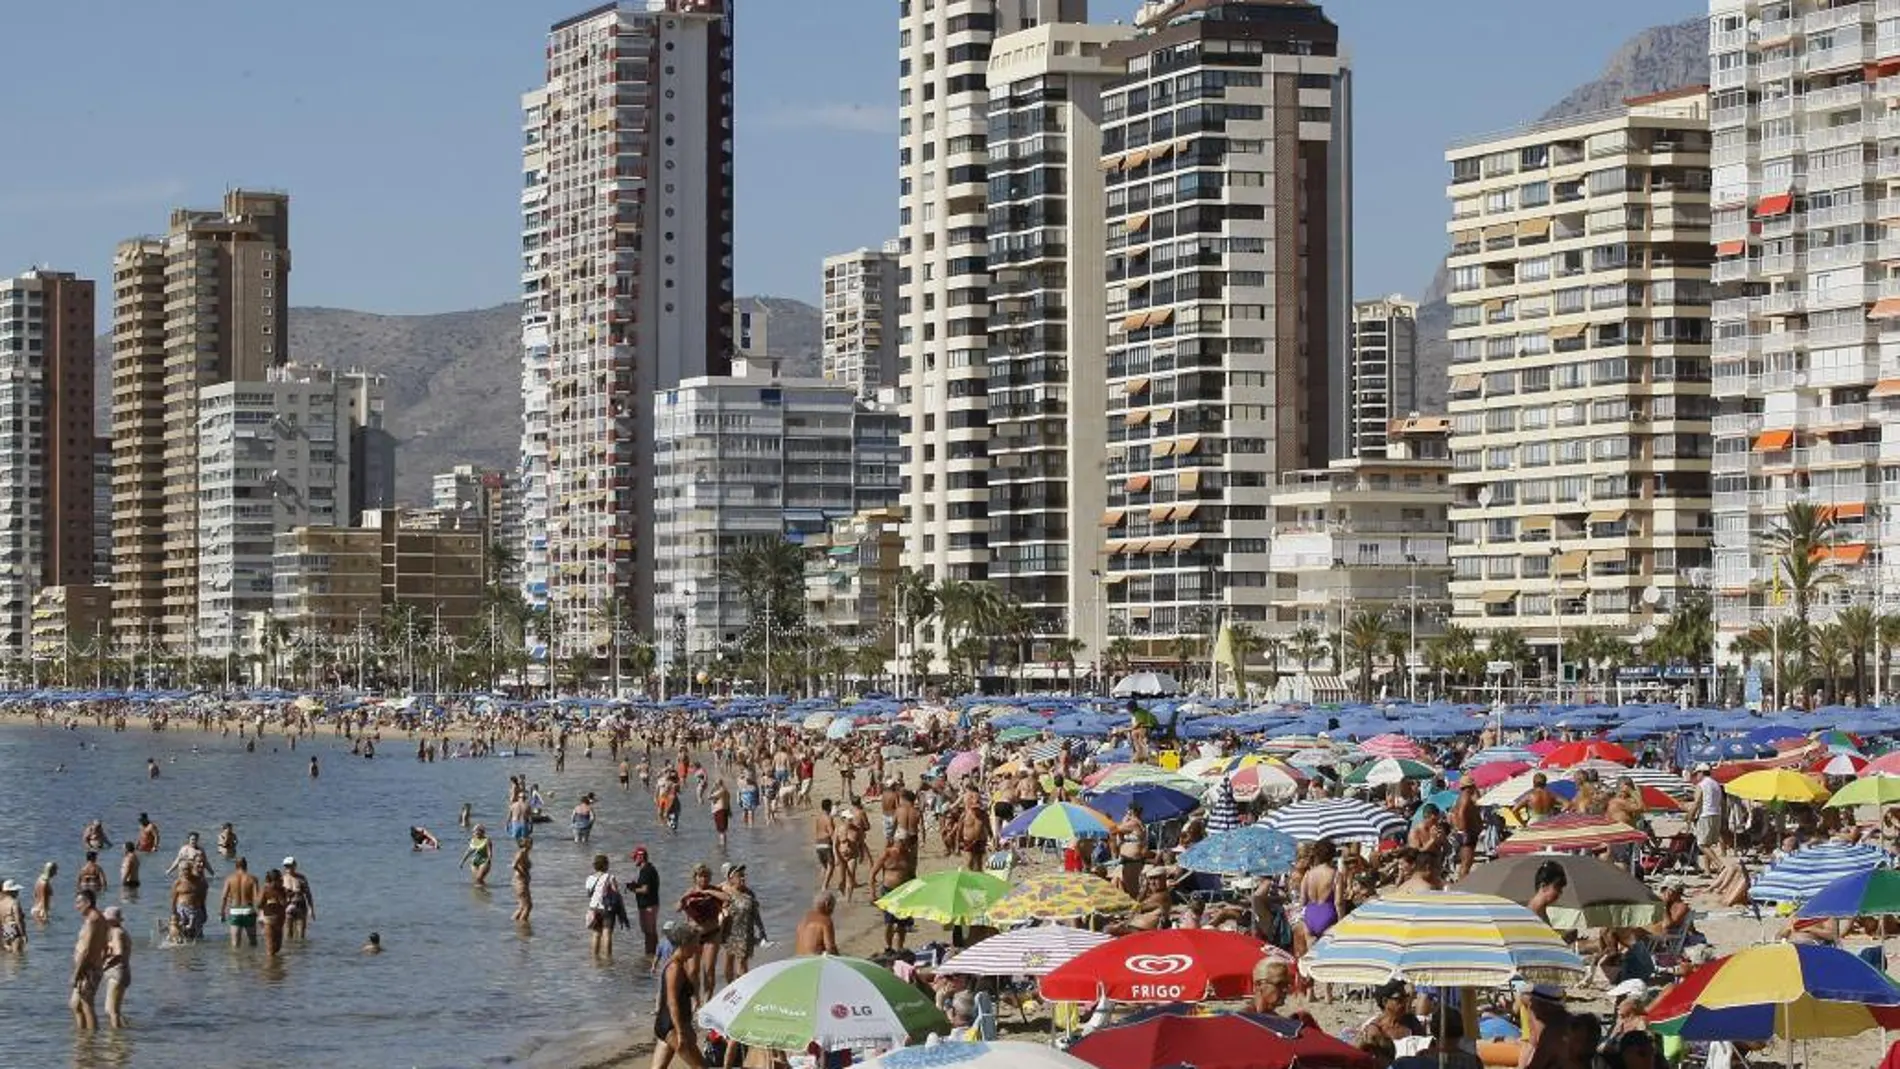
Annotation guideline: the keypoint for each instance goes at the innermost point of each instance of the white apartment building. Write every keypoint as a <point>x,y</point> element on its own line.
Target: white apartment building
<point>272,456</point>
<point>1805,120</point>
<point>943,247</point>
<point>1579,390</point>
<point>1225,150</point>
<point>1047,329</point>
<point>859,345</point>
<point>1383,375</point>
<point>626,285</point>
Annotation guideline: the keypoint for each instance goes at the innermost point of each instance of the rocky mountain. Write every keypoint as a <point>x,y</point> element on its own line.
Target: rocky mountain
<point>1659,58</point>
<point>454,379</point>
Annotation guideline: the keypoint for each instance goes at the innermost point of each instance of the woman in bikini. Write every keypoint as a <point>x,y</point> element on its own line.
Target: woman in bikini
<point>1319,899</point>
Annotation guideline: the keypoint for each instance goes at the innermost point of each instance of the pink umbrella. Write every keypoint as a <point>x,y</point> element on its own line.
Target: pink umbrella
<point>1392,746</point>
<point>1887,764</point>
<point>1543,747</point>
<point>963,764</point>
<point>1275,779</point>
<point>1492,773</point>
<point>1099,774</point>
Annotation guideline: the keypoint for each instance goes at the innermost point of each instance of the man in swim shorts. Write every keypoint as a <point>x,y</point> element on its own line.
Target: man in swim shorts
<point>822,833</point>
<point>238,907</point>
<point>89,955</point>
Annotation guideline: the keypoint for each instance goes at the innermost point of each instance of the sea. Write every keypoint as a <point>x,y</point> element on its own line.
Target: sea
<point>459,983</point>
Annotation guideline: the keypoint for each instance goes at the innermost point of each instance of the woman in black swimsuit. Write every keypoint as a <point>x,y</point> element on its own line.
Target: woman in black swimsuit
<point>673,1020</point>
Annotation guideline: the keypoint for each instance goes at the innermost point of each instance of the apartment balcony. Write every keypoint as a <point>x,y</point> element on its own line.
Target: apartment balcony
<point>1774,70</point>
<point>1840,96</point>
<point>1830,337</point>
<point>1841,215</point>
<point>1735,426</point>
<point>1844,134</point>
<point>1738,230</point>
<point>1888,166</point>
<point>1775,108</point>
<point>1859,373</point>
<point>1887,126</point>
<point>1833,417</point>
<point>1840,58</point>
<point>1729,270</point>
<point>1844,15</point>
<point>1775,147</point>
<point>1786,263</point>
<point>1730,155</point>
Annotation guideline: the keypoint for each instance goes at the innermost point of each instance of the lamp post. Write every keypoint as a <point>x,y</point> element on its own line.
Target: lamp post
<point>1411,616</point>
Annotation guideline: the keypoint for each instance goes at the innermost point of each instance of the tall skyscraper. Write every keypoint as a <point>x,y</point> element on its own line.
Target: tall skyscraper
<point>1805,214</point>
<point>943,272</point>
<point>46,444</point>
<point>1047,378</point>
<point>627,286</point>
<point>1580,371</point>
<point>859,345</point>
<point>1383,374</point>
<point>1224,148</point>
<point>206,304</point>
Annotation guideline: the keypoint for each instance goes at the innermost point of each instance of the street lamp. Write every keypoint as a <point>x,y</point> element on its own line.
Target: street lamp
<point>1411,615</point>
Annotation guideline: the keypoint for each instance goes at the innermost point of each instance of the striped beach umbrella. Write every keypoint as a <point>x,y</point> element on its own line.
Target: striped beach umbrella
<point>1570,832</point>
<point>1451,938</point>
<point>1501,753</point>
<point>1062,822</point>
<point>1802,874</point>
<point>1838,764</point>
<point>1024,952</point>
<point>1337,820</point>
<point>1392,746</point>
<point>1779,991</point>
<point>1388,770</point>
<point>980,1054</point>
<point>1275,780</point>
<point>792,1004</point>
<point>1254,850</point>
<point>1223,813</point>
<point>1666,782</point>
<point>1513,790</point>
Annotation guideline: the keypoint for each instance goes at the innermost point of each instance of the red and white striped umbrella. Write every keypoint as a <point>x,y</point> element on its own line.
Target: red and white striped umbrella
<point>1392,746</point>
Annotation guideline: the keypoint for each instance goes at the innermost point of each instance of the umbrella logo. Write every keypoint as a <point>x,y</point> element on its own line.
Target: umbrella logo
<point>1159,964</point>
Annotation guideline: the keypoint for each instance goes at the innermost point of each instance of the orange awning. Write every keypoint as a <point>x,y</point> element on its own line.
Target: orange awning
<point>1885,308</point>
<point>1885,388</point>
<point>1112,518</point>
<point>1135,159</point>
<point>1768,441</point>
<point>1187,445</point>
<point>1112,163</point>
<point>1135,386</point>
<point>1844,553</point>
<point>1731,248</point>
<point>1163,449</point>
<point>1136,484</point>
<point>1184,544</point>
<point>1136,418</point>
<point>1137,223</point>
<point>1774,204</point>
<point>1159,513</point>
<point>1134,321</point>
<point>1189,481</point>
<point>1853,511</point>
<point>1185,512</point>
<point>1160,316</point>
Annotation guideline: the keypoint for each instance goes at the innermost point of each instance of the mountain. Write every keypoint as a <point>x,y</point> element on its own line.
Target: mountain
<point>454,379</point>
<point>1659,58</point>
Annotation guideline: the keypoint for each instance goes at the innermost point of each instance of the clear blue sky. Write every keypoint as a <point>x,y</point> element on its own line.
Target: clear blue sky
<point>396,127</point>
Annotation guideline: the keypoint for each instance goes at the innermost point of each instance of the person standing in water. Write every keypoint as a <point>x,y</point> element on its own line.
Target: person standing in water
<point>89,955</point>
<point>12,919</point>
<point>43,893</point>
<point>238,906</point>
<point>129,868</point>
<point>117,965</point>
<point>313,768</point>
<point>522,870</point>
<point>582,819</point>
<point>721,811</point>
<point>478,856</point>
<point>272,904</point>
<point>148,835</point>
<point>301,905</point>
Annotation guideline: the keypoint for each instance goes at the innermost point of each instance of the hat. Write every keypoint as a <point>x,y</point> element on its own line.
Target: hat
<point>1700,766</point>
<point>729,870</point>
<point>680,933</point>
<point>639,853</point>
<point>290,862</point>
<point>10,887</point>
<point>1627,989</point>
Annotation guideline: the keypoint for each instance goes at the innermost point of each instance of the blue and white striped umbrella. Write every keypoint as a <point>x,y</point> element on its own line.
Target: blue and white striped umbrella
<point>1802,874</point>
<point>1223,813</point>
<point>1337,820</point>
<point>1047,750</point>
<point>1254,850</point>
<point>1501,753</point>
<point>1452,938</point>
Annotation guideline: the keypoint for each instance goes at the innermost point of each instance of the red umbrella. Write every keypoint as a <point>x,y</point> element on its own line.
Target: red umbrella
<point>1492,773</point>
<point>1576,753</point>
<point>1174,1035</point>
<point>1657,798</point>
<point>1543,746</point>
<point>1176,965</point>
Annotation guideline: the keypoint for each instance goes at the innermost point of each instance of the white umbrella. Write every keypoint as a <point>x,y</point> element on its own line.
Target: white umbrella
<point>1146,685</point>
<point>1023,952</point>
<point>982,1055</point>
<point>1508,792</point>
<point>836,1002</point>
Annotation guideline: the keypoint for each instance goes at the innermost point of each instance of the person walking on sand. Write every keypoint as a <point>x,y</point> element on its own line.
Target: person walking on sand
<point>89,955</point>
<point>522,870</point>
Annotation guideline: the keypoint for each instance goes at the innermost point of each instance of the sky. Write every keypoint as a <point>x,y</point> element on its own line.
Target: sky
<point>396,128</point>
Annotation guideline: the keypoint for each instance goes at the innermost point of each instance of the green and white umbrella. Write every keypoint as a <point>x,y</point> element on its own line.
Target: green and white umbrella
<point>1387,770</point>
<point>948,896</point>
<point>835,1002</point>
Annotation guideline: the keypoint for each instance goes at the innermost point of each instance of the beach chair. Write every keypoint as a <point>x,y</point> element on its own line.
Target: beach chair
<point>1000,863</point>
<point>984,1026</point>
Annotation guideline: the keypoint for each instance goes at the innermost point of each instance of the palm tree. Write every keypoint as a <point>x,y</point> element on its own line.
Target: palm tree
<point>1510,648</point>
<point>1306,646</point>
<point>1188,651</point>
<point>1801,543</point>
<point>1860,630</point>
<point>1455,656</point>
<point>1062,650</point>
<point>1272,649</point>
<point>1244,641</point>
<point>1830,652</point>
<point>1889,631</point>
<point>1120,653</point>
<point>916,601</point>
<point>1398,648</point>
<point>1365,639</point>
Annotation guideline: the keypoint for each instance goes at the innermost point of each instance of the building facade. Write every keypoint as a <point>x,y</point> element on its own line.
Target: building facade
<point>1047,376</point>
<point>943,271</point>
<point>338,584</point>
<point>272,456</point>
<point>1383,379</point>
<point>491,497</point>
<point>204,305</point>
<point>1579,388</point>
<point>1224,149</point>
<point>46,444</point>
<point>70,622</point>
<point>859,345</point>
<point>851,574</point>
<point>626,284</point>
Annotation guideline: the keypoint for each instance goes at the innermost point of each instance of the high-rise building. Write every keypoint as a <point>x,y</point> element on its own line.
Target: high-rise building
<point>1225,152</point>
<point>1579,385</point>
<point>492,498</point>
<point>272,456</point>
<point>943,271</point>
<point>626,285</point>
<point>1047,377</point>
<point>859,344</point>
<point>206,304</point>
<point>1805,216</point>
<point>46,443</point>
<point>1383,374</point>
<point>337,583</point>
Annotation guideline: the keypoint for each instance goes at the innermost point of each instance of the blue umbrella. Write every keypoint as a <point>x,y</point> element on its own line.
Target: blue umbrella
<point>1254,850</point>
<point>1802,874</point>
<point>1773,733</point>
<point>1727,750</point>
<point>1156,802</point>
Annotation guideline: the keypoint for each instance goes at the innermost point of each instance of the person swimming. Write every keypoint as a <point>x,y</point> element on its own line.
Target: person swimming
<point>420,839</point>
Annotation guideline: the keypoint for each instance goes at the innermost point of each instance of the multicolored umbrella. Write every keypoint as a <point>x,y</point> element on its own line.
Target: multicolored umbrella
<point>1336,820</point>
<point>1389,745</point>
<point>1873,893</point>
<point>1168,965</point>
<point>1492,773</point>
<point>1779,991</point>
<point>1575,753</point>
<point>1838,764</point>
<point>1802,874</point>
<point>1877,789</point>
<point>1057,896</point>
<point>1274,780</point>
<point>1062,822</point>
<point>835,1002</point>
<point>1570,832</point>
<point>1839,741</point>
<point>983,1054</point>
<point>1388,770</point>
<point>948,896</point>
<point>1121,775</point>
<point>1452,938</point>
<point>1182,1035</point>
<point>1778,785</point>
<point>1024,951</point>
<point>1255,850</point>
<point>1595,895</point>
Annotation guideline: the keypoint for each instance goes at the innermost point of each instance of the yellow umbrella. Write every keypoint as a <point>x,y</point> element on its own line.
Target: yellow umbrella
<point>1059,896</point>
<point>1778,785</point>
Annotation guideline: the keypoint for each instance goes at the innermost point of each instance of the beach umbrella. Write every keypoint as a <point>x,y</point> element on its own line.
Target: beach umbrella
<point>1166,965</point>
<point>1778,785</point>
<point>1023,951</point>
<point>840,728</point>
<point>1059,896</point>
<point>1887,764</point>
<point>818,721</point>
<point>1156,802</point>
<point>1576,753</point>
<point>982,1054</point>
<point>1145,685</point>
<point>832,1001</point>
<point>1122,775</point>
<point>1542,747</point>
<point>1255,850</point>
<point>1492,773</point>
<point>1773,733</point>
<point>1726,750</point>
<point>1274,780</point>
<point>1868,790</point>
<point>948,896</point>
<point>1046,750</point>
<point>1336,820</point>
<point>1569,832</point>
<point>1011,735</point>
<point>1873,893</point>
<point>1449,938</point>
<point>962,764</point>
<point>1180,1035</point>
<point>1062,822</point>
<point>1596,894</point>
<point>1838,764</point>
<point>1838,741</point>
<point>1388,770</point>
<point>1656,778</point>
<point>1779,991</point>
<point>1802,874</point>
<point>1513,790</point>
<point>1493,754</point>
<point>1392,746</point>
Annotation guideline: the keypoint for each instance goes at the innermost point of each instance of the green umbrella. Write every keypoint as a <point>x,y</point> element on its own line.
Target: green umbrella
<point>1387,770</point>
<point>950,896</point>
<point>1016,734</point>
<point>1873,790</point>
<point>835,1002</point>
